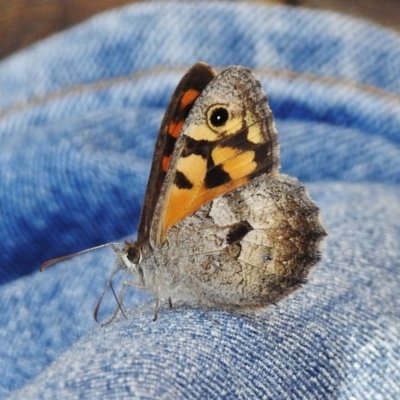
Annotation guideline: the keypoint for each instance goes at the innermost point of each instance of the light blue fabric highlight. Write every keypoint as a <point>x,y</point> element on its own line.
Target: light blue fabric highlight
<point>79,113</point>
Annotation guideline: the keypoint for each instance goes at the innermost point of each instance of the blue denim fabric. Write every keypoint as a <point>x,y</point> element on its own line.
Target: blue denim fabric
<point>79,113</point>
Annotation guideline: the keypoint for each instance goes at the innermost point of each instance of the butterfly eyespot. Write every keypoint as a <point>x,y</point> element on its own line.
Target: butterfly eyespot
<point>217,116</point>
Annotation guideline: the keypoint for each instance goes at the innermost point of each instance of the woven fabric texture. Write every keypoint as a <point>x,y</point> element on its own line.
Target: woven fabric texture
<point>79,113</point>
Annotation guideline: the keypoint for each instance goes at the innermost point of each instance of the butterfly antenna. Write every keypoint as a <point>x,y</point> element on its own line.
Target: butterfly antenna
<point>63,258</point>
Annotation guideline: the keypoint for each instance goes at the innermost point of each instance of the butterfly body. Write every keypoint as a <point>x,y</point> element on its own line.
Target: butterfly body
<point>220,225</point>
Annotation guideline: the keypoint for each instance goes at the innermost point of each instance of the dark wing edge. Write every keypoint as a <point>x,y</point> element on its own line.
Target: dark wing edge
<point>182,100</point>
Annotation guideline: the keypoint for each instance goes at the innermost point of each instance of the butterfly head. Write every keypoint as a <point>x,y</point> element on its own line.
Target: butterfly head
<point>130,257</point>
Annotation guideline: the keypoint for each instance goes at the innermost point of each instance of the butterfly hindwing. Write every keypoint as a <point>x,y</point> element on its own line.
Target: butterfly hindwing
<point>228,138</point>
<point>182,100</point>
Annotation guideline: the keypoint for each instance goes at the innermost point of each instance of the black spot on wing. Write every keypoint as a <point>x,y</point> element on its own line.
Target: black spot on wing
<point>238,140</point>
<point>181,181</point>
<point>200,148</point>
<point>238,232</point>
<point>263,157</point>
<point>216,177</point>
<point>169,145</point>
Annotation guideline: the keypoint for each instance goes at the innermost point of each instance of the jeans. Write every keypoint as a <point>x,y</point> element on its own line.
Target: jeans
<point>79,113</point>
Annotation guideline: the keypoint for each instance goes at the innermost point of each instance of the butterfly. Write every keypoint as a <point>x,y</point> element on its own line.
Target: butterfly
<point>220,225</point>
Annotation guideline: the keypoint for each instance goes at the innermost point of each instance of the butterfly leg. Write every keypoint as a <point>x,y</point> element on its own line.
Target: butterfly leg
<point>120,299</point>
<point>156,309</point>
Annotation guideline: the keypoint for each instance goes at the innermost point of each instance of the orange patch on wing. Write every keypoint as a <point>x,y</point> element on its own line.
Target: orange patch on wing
<point>241,165</point>
<point>235,164</point>
<point>165,163</point>
<point>183,202</point>
<point>175,127</point>
<point>189,97</point>
<point>221,154</point>
<point>194,168</point>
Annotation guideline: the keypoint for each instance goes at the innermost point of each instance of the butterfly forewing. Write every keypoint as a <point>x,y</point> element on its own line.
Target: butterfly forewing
<point>182,100</point>
<point>228,138</point>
